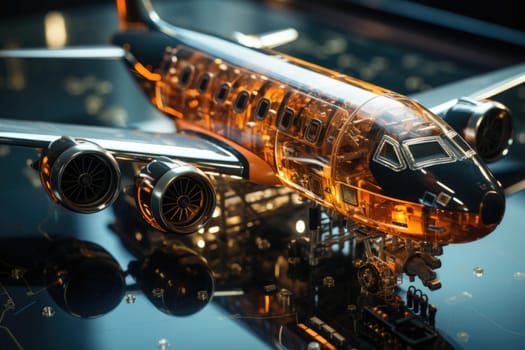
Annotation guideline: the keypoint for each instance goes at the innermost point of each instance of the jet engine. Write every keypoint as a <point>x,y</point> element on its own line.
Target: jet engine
<point>174,196</point>
<point>485,125</point>
<point>79,175</point>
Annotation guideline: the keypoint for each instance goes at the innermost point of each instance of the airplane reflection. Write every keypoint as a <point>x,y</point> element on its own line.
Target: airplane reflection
<point>86,281</point>
<point>290,288</point>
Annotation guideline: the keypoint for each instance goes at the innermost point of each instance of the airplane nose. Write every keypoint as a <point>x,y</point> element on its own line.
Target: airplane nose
<point>492,208</point>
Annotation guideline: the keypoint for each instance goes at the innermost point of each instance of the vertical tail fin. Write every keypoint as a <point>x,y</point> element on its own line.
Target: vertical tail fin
<point>131,15</point>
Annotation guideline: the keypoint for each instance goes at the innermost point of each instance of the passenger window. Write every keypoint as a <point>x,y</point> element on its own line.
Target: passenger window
<point>204,83</point>
<point>262,109</point>
<point>287,118</point>
<point>241,101</point>
<point>222,92</point>
<point>313,131</point>
<point>388,154</point>
<point>185,76</point>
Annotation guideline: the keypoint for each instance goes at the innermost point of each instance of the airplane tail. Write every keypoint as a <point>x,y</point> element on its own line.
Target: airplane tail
<point>131,14</point>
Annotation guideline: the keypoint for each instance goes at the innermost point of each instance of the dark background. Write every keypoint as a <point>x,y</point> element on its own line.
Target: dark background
<point>504,12</point>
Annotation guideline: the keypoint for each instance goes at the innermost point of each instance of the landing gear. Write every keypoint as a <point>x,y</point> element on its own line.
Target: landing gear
<point>376,277</point>
<point>371,276</point>
<point>385,258</point>
<point>380,259</point>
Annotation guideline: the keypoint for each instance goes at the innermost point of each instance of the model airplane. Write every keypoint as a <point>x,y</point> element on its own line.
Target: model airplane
<point>366,153</point>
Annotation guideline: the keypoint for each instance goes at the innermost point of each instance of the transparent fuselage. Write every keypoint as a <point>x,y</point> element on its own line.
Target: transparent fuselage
<point>372,155</point>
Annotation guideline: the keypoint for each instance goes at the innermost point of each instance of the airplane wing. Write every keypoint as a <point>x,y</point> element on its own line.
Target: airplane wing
<point>80,169</point>
<point>126,144</point>
<point>139,142</point>
<point>443,99</point>
<point>479,87</point>
<point>80,166</point>
<point>485,124</point>
<point>84,53</point>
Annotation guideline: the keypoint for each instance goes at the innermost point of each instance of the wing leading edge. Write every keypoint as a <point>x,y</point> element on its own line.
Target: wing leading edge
<point>127,144</point>
<point>479,87</point>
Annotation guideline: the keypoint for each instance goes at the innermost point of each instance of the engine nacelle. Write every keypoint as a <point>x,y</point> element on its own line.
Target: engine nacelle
<point>174,196</point>
<point>79,175</point>
<point>485,125</point>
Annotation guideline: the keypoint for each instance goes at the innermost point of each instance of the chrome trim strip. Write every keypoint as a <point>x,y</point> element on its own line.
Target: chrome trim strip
<point>92,52</point>
<point>126,144</point>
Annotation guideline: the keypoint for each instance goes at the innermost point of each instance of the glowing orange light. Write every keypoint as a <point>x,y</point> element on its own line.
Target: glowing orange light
<point>146,73</point>
<point>319,338</point>
<point>126,19</point>
<point>193,104</point>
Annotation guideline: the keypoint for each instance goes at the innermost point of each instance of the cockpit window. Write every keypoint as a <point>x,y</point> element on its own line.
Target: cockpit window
<point>427,151</point>
<point>463,145</point>
<point>388,153</point>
